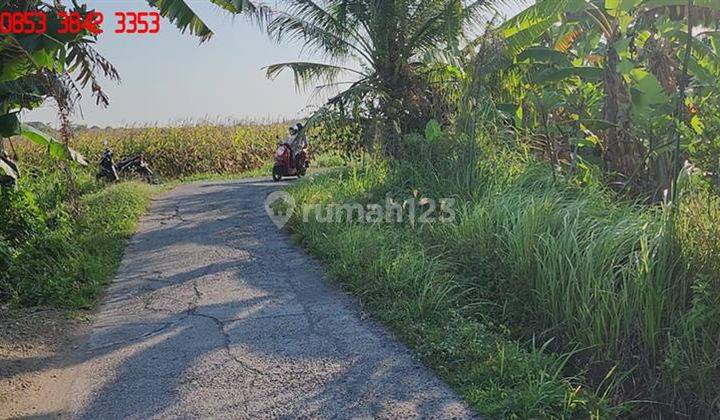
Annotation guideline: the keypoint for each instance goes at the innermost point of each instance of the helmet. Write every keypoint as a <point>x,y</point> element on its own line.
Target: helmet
<point>298,126</point>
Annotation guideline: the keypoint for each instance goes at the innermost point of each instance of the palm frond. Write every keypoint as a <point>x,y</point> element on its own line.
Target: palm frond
<point>436,24</point>
<point>257,11</point>
<point>182,15</point>
<point>333,17</point>
<point>328,41</point>
<point>84,59</point>
<point>306,73</point>
<point>477,10</point>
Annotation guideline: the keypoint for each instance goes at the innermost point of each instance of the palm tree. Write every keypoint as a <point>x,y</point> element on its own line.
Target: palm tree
<point>379,48</point>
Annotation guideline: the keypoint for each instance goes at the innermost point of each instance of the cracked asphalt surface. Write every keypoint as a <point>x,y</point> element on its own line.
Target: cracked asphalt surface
<point>214,312</point>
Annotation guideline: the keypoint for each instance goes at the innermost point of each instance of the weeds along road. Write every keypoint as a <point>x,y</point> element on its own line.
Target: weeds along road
<point>214,312</point>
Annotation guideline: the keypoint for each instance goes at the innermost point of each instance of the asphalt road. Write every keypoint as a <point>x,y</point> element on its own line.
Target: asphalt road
<point>216,313</point>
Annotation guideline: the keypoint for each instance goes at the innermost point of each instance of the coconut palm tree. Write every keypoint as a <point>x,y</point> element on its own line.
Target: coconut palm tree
<point>375,51</point>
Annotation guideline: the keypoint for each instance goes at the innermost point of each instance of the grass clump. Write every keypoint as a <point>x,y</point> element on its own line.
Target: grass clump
<point>407,284</point>
<point>52,258</point>
<point>543,298</point>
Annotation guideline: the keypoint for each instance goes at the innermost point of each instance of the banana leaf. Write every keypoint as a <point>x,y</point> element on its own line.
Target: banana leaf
<point>544,55</point>
<point>9,125</point>
<point>54,147</point>
<point>585,73</point>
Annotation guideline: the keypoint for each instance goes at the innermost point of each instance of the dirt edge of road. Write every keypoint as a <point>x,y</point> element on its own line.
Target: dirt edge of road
<point>34,344</point>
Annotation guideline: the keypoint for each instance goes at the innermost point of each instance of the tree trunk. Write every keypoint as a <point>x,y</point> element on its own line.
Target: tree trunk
<point>662,65</point>
<point>623,155</point>
<point>66,135</point>
<point>405,106</point>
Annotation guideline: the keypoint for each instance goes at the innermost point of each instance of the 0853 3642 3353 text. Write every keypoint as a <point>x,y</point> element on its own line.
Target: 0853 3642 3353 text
<point>39,22</point>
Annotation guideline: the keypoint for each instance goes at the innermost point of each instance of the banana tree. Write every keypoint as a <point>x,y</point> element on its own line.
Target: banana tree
<point>631,43</point>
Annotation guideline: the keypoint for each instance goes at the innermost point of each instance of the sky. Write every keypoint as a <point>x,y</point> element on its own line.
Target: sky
<point>170,78</point>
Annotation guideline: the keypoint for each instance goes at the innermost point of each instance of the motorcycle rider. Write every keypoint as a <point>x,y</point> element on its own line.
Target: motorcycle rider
<point>297,142</point>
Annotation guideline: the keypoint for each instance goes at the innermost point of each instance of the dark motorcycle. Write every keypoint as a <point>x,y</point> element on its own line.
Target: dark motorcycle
<point>126,168</point>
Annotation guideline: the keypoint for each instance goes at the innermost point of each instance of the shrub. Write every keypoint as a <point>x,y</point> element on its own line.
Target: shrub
<point>21,216</point>
<point>50,258</point>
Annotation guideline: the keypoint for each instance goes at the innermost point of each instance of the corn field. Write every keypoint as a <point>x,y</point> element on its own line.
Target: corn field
<point>178,151</point>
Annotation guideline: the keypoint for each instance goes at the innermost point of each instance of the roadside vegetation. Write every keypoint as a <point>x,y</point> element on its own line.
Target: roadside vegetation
<point>543,298</point>
<point>54,253</point>
<point>61,232</point>
<point>50,257</point>
<point>579,140</point>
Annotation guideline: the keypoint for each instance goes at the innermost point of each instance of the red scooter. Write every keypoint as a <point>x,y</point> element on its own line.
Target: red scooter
<point>285,165</point>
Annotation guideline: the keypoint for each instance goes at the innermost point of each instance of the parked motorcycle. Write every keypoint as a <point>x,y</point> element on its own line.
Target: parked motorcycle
<point>126,168</point>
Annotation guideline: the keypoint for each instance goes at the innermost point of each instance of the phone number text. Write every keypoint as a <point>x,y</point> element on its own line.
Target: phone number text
<point>73,23</point>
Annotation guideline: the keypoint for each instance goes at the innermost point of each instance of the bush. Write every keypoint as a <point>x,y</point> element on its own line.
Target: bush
<point>21,216</point>
<point>50,258</point>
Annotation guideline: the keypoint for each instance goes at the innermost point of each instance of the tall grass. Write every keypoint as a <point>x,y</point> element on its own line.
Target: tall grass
<point>631,292</point>
<point>404,281</point>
